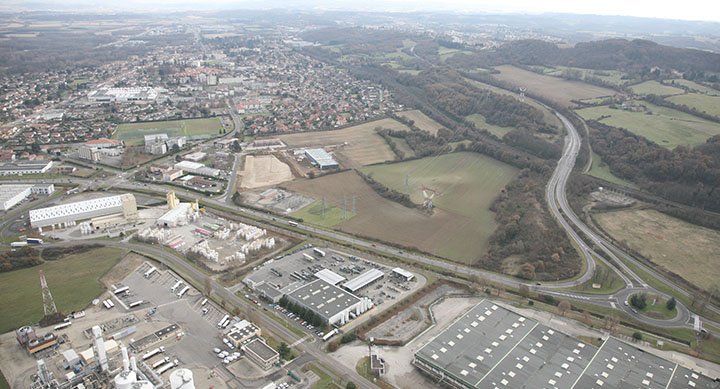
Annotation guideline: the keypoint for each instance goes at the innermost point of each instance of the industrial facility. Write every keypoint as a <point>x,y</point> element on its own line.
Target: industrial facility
<point>123,94</point>
<point>11,195</point>
<point>492,347</point>
<point>321,158</point>
<point>24,167</point>
<point>101,212</point>
<point>334,305</point>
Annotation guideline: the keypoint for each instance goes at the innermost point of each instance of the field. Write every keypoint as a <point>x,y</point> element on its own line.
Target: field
<point>680,247</point>
<point>664,126</point>
<point>403,146</point>
<point>602,171</point>
<point>133,133</point>
<point>461,224</point>
<point>421,121</point>
<point>329,217</point>
<point>694,86</point>
<point>73,280</point>
<point>480,122</point>
<point>655,88</point>
<point>263,170</point>
<point>359,144</point>
<point>703,103</point>
<point>613,77</point>
<point>553,88</point>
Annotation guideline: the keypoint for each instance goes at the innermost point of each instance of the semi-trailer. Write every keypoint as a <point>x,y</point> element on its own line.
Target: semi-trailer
<point>121,290</point>
<point>135,304</point>
<point>167,367</point>
<point>319,252</point>
<point>153,353</point>
<point>183,291</point>
<point>160,362</point>
<point>175,286</point>
<point>150,272</point>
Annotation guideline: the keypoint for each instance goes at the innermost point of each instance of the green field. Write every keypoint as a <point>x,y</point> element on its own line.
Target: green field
<point>664,126</point>
<point>703,103</point>
<point>444,52</point>
<point>73,281</point>
<point>655,88</point>
<point>332,215</point>
<point>694,86</point>
<point>480,123</point>
<point>465,184</point>
<point>613,77</point>
<point>133,133</point>
<point>602,171</point>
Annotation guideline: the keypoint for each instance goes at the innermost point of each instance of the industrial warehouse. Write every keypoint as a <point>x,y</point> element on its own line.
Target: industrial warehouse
<point>306,280</point>
<point>492,347</point>
<point>11,195</point>
<point>102,212</point>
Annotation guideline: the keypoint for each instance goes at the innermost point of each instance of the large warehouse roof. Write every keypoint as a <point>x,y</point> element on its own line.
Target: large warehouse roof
<point>490,346</point>
<point>329,276</point>
<point>93,208</point>
<point>321,157</point>
<point>363,280</point>
<point>325,299</point>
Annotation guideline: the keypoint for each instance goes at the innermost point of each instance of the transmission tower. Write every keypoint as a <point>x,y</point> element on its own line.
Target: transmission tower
<point>48,302</point>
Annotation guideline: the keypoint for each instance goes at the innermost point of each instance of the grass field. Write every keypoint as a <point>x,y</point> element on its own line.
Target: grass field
<point>547,115</point>
<point>664,126</point>
<point>697,87</point>
<point>422,121</point>
<point>73,280</point>
<point>133,133</point>
<point>655,88</point>
<point>480,122</point>
<point>680,247</point>
<point>703,103</point>
<point>331,216</point>
<point>444,52</point>
<point>658,310</point>
<point>613,77</point>
<point>3,382</point>
<point>602,171</point>
<point>608,280</point>
<point>553,88</point>
<point>364,146</point>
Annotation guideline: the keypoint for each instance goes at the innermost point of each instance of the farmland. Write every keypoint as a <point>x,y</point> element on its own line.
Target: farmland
<point>694,86</point>
<point>664,126</point>
<point>680,247</point>
<point>73,280</point>
<point>363,147</point>
<point>461,224</point>
<point>613,77</point>
<point>703,103</point>
<point>480,123</point>
<point>326,216</point>
<point>553,88</point>
<point>421,121</point>
<point>655,88</point>
<point>602,171</point>
<point>133,133</point>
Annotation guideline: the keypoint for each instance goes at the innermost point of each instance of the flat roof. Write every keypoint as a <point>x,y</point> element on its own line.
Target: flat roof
<point>24,165</point>
<point>490,346</point>
<point>77,208</point>
<point>403,272</point>
<point>329,276</point>
<point>261,349</point>
<point>363,280</point>
<point>321,157</point>
<point>9,191</point>
<point>325,299</point>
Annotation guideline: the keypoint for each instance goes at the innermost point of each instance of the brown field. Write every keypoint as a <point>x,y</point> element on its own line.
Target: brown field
<point>263,170</point>
<point>685,249</point>
<point>553,88</point>
<point>422,121</point>
<point>364,146</point>
<point>445,234</point>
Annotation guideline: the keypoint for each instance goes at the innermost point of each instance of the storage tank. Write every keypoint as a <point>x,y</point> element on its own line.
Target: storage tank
<point>182,379</point>
<point>125,380</point>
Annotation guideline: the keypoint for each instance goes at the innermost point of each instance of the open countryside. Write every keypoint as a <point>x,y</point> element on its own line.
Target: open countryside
<point>360,144</point>
<point>664,126</point>
<point>553,88</point>
<point>655,88</point>
<point>73,280</point>
<point>682,248</point>
<point>701,102</point>
<point>421,120</point>
<point>133,133</point>
<point>602,171</point>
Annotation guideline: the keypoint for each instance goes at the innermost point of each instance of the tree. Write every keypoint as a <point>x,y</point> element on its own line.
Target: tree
<point>637,335</point>
<point>670,304</point>
<point>284,351</point>
<point>563,307</point>
<point>524,290</point>
<point>350,385</point>
<point>639,301</point>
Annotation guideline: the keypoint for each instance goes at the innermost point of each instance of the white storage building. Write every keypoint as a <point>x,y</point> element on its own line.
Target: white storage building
<point>24,167</point>
<point>329,276</point>
<point>331,303</point>
<point>363,280</point>
<point>63,215</point>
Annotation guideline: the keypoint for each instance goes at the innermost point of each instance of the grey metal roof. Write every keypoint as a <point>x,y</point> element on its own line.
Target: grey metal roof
<point>321,157</point>
<point>324,299</point>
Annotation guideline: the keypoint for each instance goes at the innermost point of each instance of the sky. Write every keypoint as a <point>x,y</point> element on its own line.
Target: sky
<point>704,10</point>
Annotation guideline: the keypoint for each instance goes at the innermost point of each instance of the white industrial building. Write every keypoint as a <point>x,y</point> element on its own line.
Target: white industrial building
<point>363,280</point>
<point>24,167</point>
<point>11,195</point>
<point>197,168</point>
<point>123,94</point>
<point>103,212</point>
<point>321,159</point>
<point>402,273</point>
<point>329,276</point>
<point>177,216</point>
<point>334,305</point>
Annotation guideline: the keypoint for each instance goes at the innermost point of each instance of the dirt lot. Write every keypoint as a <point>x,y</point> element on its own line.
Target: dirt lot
<point>421,121</point>
<point>682,248</point>
<point>382,219</point>
<point>553,88</point>
<point>263,170</point>
<point>360,145</point>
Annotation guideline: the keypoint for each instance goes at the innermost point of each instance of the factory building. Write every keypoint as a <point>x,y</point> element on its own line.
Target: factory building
<point>260,353</point>
<point>24,167</point>
<point>102,212</point>
<point>334,305</point>
<point>329,276</point>
<point>123,94</point>
<point>197,168</point>
<point>11,195</point>
<point>490,346</point>
<point>403,274</point>
<point>242,331</point>
<point>363,280</point>
<point>321,159</point>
